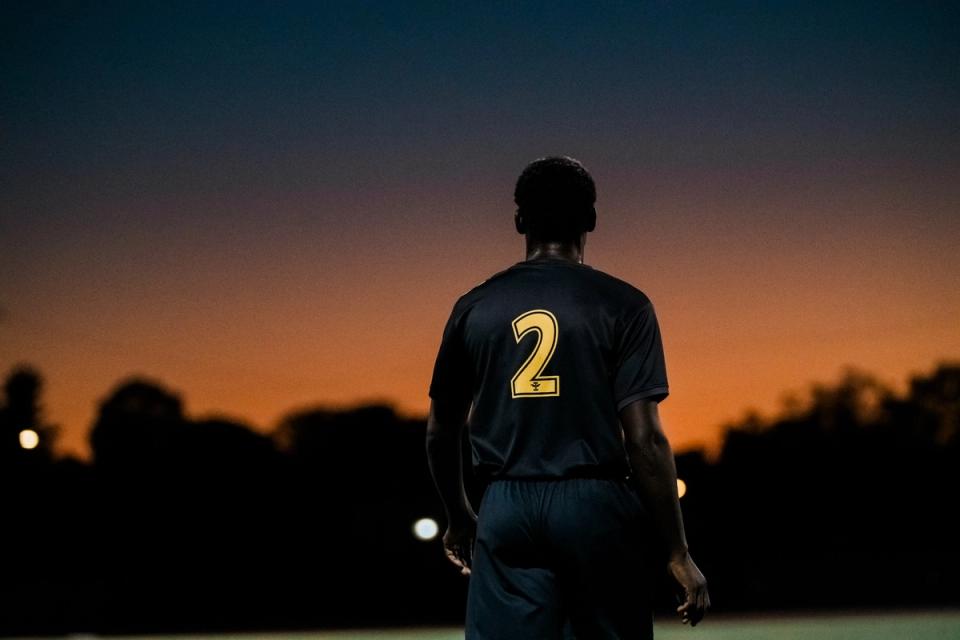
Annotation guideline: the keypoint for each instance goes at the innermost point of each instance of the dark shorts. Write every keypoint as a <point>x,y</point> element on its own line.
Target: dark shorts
<point>561,559</point>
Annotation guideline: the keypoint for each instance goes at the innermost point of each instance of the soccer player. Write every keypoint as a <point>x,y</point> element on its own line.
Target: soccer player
<point>555,369</point>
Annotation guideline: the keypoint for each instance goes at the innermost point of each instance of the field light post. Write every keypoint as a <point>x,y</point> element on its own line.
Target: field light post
<point>425,529</point>
<point>29,439</point>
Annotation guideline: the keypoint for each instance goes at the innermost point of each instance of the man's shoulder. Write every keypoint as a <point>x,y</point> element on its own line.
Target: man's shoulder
<point>618,286</point>
<point>477,290</point>
<point>469,297</point>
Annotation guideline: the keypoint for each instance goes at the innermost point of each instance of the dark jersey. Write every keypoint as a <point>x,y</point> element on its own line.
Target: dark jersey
<point>549,351</point>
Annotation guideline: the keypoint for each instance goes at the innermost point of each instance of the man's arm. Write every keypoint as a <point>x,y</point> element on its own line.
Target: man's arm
<point>446,421</point>
<point>656,478</point>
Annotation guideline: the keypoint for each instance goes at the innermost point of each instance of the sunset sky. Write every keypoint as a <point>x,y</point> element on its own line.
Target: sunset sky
<point>269,207</point>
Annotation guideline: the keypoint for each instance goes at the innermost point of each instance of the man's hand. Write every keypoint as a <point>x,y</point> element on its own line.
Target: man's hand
<point>458,543</point>
<point>694,585</point>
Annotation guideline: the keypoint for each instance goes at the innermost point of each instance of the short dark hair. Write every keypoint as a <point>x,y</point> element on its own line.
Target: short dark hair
<point>555,195</point>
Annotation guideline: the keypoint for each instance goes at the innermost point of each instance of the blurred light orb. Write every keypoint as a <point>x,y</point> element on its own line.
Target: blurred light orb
<point>425,529</point>
<point>681,488</point>
<point>29,439</point>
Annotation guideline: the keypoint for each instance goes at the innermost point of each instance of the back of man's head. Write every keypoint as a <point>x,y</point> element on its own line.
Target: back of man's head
<point>555,197</point>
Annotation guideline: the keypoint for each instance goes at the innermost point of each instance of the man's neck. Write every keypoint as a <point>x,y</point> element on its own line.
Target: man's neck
<point>570,251</point>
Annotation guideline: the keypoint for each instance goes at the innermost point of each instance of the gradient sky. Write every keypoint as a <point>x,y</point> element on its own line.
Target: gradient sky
<point>269,207</point>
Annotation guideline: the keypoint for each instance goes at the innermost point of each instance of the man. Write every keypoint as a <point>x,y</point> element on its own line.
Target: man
<point>556,369</point>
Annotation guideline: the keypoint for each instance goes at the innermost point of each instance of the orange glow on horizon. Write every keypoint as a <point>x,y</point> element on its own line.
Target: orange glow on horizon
<point>748,313</point>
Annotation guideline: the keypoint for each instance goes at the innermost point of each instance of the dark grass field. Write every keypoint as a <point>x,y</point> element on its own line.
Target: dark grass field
<point>931,625</point>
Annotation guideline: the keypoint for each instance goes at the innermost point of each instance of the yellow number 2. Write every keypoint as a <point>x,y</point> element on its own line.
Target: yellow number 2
<point>527,381</point>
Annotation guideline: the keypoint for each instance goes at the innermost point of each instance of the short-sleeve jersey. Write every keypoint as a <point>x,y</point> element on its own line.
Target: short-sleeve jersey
<point>548,351</point>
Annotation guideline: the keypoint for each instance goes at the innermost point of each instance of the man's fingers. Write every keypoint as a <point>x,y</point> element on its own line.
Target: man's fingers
<point>461,556</point>
<point>698,607</point>
<point>684,610</point>
<point>464,557</point>
<point>693,608</point>
<point>452,556</point>
<point>466,560</point>
<point>696,615</point>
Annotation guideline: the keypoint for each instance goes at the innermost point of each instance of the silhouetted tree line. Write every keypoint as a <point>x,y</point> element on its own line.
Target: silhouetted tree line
<point>847,499</point>
<point>844,499</point>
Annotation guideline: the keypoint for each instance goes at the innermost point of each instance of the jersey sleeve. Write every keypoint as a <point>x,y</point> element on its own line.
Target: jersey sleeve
<point>452,373</point>
<point>641,368</point>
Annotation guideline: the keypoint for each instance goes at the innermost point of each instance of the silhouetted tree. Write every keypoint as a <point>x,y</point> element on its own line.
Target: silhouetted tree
<point>857,477</point>
<point>938,396</point>
<point>25,437</point>
<point>136,427</point>
<point>362,481</point>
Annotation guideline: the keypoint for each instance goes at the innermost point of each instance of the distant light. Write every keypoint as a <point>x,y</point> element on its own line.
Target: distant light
<point>425,529</point>
<point>681,488</point>
<point>29,439</point>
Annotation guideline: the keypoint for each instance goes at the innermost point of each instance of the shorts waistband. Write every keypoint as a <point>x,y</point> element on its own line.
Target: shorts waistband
<point>591,473</point>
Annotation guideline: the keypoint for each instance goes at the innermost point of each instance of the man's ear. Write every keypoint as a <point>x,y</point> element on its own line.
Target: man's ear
<point>591,220</point>
<point>519,222</point>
